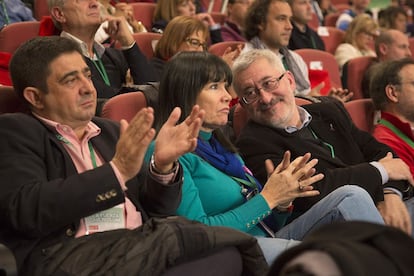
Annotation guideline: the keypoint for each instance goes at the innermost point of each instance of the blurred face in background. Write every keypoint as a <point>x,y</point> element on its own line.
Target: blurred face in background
<point>302,11</point>
<point>195,42</point>
<point>186,7</point>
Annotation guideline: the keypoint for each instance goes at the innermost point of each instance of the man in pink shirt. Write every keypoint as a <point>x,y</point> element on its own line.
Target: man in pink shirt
<point>66,174</point>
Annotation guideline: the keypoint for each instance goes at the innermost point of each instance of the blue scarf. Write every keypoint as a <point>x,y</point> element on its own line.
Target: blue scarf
<point>228,162</point>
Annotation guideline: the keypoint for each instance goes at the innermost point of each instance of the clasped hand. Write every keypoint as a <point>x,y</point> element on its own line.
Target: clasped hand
<point>290,180</point>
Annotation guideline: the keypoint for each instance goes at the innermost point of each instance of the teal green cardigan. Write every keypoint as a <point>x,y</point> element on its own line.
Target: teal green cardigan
<point>214,198</point>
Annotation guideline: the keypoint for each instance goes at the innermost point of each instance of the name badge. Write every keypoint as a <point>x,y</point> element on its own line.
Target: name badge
<point>106,220</point>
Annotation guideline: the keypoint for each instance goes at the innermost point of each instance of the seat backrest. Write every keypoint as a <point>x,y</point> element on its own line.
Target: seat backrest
<point>240,116</point>
<point>331,38</point>
<point>10,102</point>
<point>353,74</point>
<point>314,23</point>
<point>13,35</point>
<point>144,12</point>
<point>146,42</point>
<point>212,5</point>
<point>330,19</point>
<point>362,113</point>
<point>40,9</point>
<point>219,48</point>
<point>124,106</point>
<point>322,59</point>
<point>218,17</point>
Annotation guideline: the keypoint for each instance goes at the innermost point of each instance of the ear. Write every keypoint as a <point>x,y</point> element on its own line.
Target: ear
<point>383,49</point>
<point>34,96</point>
<point>58,15</point>
<point>391,93</point>
<point>291,80</point>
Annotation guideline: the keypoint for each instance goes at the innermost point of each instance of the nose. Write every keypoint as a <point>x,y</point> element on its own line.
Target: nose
<point>288,25</point>
<point>264,97</point>
<point>192,6</point>
<point>87,86</point>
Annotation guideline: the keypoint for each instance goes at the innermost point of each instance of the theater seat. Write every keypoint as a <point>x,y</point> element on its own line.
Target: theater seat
<point>146,42</point>
<point>124,106</point>
<point>13,35</point>
<point>362,113</point>
<point>144,12</point>
<point>353,73</point>
<point>219,48</point>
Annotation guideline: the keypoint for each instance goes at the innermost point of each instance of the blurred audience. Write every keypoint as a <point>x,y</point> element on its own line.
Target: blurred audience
<point>233,27</point>
<point>166,10</point>
<point>393,18</point>
<point>346,17</point>
<point>268,26</point>
<point>322,8</point>
<point>302,35</point>
<point>358,40</point>
<point>12,11</point>
<point>389,45</point>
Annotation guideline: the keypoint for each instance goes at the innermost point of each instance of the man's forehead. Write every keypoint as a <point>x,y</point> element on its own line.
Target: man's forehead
<point>68,62</point>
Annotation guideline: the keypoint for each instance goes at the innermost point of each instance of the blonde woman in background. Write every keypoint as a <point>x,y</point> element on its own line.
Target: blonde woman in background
<point>358,41</point>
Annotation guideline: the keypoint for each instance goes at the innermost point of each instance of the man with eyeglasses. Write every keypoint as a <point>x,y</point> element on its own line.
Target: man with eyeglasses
<point>268,26</point>
<point>392,91</point>
<point>346,155</point>
<point>233,27</point>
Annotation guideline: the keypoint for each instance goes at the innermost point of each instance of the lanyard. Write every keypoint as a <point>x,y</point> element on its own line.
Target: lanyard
<point>91,151</point>
<point>331,148</point>
<point>313,42</point>
<point>398,132</point>
<point>4,8</point>
<point>251,183</point>
<point>101,69</point>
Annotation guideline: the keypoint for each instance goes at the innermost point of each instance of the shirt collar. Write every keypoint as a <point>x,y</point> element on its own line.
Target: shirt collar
<point>92,129</point>
<point>305,118</point>
<point>99,48</point>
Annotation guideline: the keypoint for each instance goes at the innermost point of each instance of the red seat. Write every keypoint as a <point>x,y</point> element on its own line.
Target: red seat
<point>330,19</point>
<point>218,17</point>
<point>10,101</point>
<point>124,106</point>
<point>219,48</point>
<point>327,62</point>
<point>144,12</point>
<point>13,35</point>
<point>314,23</point>
<point>212,5</point>
<point>333,39</point>
<point>353,74</point>
<point>146,42</point>
<point>40,9</point>
<point>362,113</point>
<point>411,42</point>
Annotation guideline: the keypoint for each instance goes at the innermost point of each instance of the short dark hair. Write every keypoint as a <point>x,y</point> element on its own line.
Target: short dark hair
<point>29,65</point>
<point>257,15</point>
<point>182,80</point>
<point>384,74</point>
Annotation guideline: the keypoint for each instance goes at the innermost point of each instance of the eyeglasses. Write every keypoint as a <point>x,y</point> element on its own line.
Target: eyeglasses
<point>195,43</point>
<point>252,94</point>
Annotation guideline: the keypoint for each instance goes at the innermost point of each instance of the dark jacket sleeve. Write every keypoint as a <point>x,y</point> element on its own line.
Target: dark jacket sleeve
<point>141,70</point>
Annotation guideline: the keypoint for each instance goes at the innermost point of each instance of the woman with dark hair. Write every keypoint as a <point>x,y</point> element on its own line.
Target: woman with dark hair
<point>218,188</point>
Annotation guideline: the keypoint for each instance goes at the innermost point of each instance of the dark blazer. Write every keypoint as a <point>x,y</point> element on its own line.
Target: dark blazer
<point>308,39</point>
<point>43,198</point>
<point>117,63</point>
<point>353,150</point>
